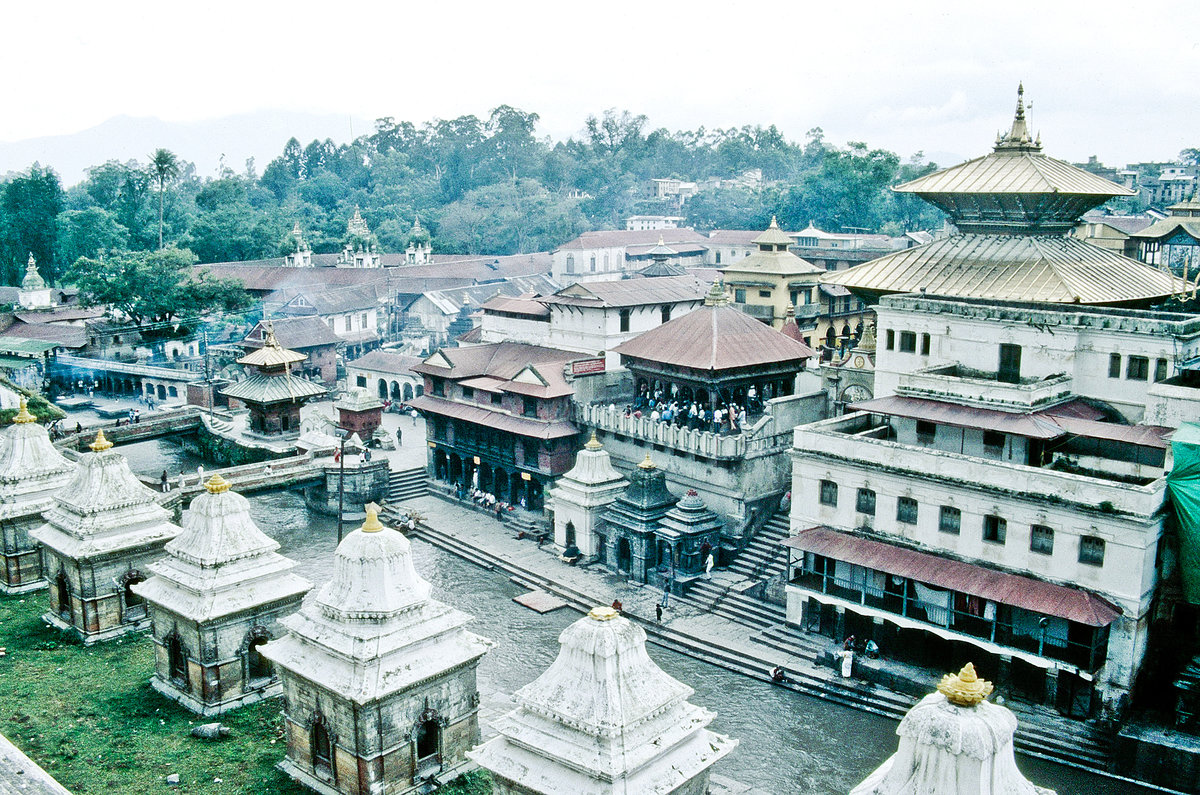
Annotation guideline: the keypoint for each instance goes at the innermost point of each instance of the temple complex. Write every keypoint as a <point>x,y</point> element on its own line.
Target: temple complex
<point>378,678</point>
<point>953,742</point>
<point>1013,210</point>
<point>214,600</point>
<point>580,497</point>
<point>31,471</point>
<point>102,532</point>
<point>604,718</point>
<point>271,393</point>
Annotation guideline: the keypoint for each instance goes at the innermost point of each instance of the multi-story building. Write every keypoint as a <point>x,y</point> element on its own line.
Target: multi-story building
<point>352,313</point>
<point>608,255</point>
<point>639,222</point>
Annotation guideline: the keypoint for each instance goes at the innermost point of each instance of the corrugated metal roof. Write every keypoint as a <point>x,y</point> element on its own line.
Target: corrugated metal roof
<point>386,362</point>
<point>259,388</point>
<point>1037,268</point>
<point>959,416</point>
<point>523,426</point>
<point>630,292</point>
<point>1168,226</point>
<point>631,237</point>
<point>780,263</point>
<point>1014,172</point>
<point>715,338</point>
<point>1038,596</point>
<point>294,332</point>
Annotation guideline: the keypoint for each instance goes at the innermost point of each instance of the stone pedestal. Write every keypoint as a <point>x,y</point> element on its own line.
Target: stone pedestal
<point>359,412</point>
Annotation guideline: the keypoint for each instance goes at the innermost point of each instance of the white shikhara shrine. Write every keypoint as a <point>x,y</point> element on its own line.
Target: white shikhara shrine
<point>604,718</point>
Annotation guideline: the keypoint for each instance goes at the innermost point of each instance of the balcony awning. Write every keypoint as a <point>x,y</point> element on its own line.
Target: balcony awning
<point>1027,593</point>
<point>498,420</point>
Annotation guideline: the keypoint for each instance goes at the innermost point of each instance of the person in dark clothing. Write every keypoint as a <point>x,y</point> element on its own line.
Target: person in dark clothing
<point>164,480</point>
<point>658,613</point>
<point>616,605</point>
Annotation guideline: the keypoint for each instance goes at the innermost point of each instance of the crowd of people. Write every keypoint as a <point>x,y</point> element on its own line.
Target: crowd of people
<point>721,418</point>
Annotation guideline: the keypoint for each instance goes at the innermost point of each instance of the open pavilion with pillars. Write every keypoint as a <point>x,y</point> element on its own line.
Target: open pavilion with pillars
<point>714,356</point>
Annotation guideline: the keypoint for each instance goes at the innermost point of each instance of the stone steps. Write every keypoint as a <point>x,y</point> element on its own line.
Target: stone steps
<point>407,484</point>
<point>745,610</point>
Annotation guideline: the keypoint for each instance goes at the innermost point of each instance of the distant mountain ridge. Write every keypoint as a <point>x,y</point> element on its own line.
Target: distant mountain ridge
<point>260,134</point>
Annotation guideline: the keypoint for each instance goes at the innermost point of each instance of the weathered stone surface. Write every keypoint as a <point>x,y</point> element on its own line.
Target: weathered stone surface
<point>210,731</point>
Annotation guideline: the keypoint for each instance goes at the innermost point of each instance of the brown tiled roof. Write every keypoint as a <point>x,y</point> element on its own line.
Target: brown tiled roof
<point>519,305</point>
<point>632,237</point>
<point>630,292</point>
<point>500,360</point>
<point>386,362</point>
<point>334,301</point>
<point>58,333</point>
<point>471,337</point>
<point>1073,604</point>
<point>499,420</point>
<point>715,338</point>
<point>295,333</point>
<point>733,237</point>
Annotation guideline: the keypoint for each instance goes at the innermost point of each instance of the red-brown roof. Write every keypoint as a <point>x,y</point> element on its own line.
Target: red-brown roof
<point>506,361</point>
<point>715,338</point>
<point>631,292</point>
<point>1011,589</point>
<point>294,333</point>
<point>523,426</point>
<point>631,237</point>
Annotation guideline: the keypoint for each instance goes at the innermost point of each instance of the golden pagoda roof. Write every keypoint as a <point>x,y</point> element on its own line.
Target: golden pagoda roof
<point>271,354</point>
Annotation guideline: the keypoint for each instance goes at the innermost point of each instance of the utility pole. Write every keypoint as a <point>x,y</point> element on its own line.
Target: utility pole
<point>341,484</point>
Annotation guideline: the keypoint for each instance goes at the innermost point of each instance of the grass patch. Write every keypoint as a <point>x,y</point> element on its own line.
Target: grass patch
<point>90,718</point>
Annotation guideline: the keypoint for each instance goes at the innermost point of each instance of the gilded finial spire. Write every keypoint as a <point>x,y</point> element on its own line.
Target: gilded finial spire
<point>23,416</point>
<point>372,524</point>
<point>1018,138</point>
<point>716,294</point>
<point>101,444</point>
<point>966,689</point>
<point>602,614</point>
<point>269,339</point>
<point>647,463</point>
<point>593,443</point>
<point>217,485</point>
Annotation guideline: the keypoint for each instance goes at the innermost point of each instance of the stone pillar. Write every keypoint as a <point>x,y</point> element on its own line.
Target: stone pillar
<point>1003,671</point>
<point>1050,693</point>
<point>839,623</point>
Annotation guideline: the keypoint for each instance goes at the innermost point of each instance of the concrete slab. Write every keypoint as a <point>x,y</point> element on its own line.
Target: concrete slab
<point>540,601</point>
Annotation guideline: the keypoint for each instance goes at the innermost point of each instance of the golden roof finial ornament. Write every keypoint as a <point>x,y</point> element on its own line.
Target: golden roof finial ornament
<point>269,339</point>
<point>23,416</point>
<point>217,485</point>
<point>966,689</point>
<point>716,294</point>
<point>101,444</point>
<point>372,523</point>
<point>602,614</point>
<point>647,463</point>
<point>593,443</point>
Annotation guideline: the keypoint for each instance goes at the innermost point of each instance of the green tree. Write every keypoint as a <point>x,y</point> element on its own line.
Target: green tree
<point>509,218</point>
<point>165,168</point>
<point>154,289</point>
<point>88,232</point>
<point>29,208</point>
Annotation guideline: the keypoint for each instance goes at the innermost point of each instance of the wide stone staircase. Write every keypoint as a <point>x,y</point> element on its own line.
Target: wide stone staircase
<point>407,484</point>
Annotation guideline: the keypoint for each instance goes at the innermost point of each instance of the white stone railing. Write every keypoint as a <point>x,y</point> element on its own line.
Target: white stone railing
<point>762,438</point>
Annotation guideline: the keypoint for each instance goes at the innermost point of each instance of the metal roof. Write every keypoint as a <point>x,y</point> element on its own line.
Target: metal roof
<point>382,361</point>
<point>1027,425</point>
<point>616,238</point>
<point>630,292</point>
<point>1027,593</point>
<point>294,333</point>
<point>1037,268</point>
<point>715,338</point>
<point>259,388</point>
<point>10,345</point>
<point>498,420</point>
<point>1014,172</point>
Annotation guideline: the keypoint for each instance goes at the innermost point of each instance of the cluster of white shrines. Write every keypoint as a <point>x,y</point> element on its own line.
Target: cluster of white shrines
<point>379,679</point>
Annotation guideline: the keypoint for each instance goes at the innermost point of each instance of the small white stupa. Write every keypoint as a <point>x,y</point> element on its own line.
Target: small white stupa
<point>100,535</point>
<point>603,719</point>
<point>378,678</point>
<point>31,471</point>
<point>581,495</point>
<point>34,292</point>
<point>953,742</point>
<point>215,598</point>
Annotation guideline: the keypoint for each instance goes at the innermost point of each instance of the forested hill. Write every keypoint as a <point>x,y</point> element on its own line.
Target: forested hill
<point>478,185</point>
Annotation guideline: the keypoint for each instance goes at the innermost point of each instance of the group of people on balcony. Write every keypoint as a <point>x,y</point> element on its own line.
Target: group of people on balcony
<point>721,418</point>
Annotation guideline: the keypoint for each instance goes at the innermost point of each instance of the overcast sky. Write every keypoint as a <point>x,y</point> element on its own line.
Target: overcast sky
<point>1118,80</point>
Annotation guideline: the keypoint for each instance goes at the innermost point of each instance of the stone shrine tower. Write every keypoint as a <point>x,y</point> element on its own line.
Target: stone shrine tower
<point>953,742</point>
<point>603,719</point>
<point>299,253</point>
<point>378,679</point>
<point>418,251</point>
<point>34,292</point>
<point>359,412</point>
<point>687,535</point>
<point>31,471</point>
<point>632,519</point>
<point>215,598</point>
<point>100,536</point>
<point>580,496</point>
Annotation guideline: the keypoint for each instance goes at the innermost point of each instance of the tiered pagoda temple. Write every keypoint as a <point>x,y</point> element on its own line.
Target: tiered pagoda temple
<point>214,600</point>
<point>630,522</point>
<point>953,742</point>
<point>687,535</point>
<point>102,532</point>
<point>580,497</point>
<point>378,678</point>
<point>31,471</point>
<point>271,392</point>
<point>603,720</point>
<point>713,355</point>
<point>1014,210</point>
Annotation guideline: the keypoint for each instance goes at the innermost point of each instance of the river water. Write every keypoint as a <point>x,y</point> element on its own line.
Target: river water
<point>789,742</point>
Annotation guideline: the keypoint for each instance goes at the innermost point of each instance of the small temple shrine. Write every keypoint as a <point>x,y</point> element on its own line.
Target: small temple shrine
<point>359,412</point>
<point>102,532</point>
<point>35,293</point>
<point>630,522</point>
<point>31,471</point>
<point>580,497</point>
<point>714,355</point>
<point>214,600</point>
<point>687,535</point>
<point>378,678</point>
<point>953,742</point>
<point>271,392</point>
<point>603,718</point>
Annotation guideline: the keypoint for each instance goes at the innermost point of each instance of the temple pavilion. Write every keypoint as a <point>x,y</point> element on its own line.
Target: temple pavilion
<point>378,678</point>
<point>627,541</point>
<point>579,498</point>
<point>1013,210</point>
<point>953,742</point>
<point>271,392</point>
<point>31,471</point>
<point>603,719</point>
<point>713,355</point>
<point>102,532</point>
<point>214,600</point>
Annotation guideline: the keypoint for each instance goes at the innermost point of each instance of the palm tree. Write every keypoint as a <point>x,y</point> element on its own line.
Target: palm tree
<point>164,166</point>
